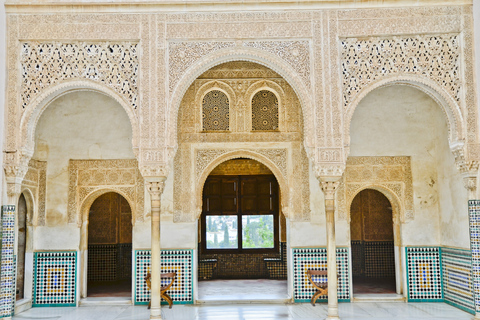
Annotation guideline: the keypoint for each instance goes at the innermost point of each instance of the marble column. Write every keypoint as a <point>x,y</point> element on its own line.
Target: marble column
<point>329,186</point>
<point>155,188</point>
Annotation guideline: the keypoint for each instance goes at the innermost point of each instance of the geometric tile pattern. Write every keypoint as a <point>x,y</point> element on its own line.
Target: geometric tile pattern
<point>264,111</point>
<point>277,267</point>
<point>215,111</point>
<point>457,278</point>
<point>180,261</point>
<point>424,274</point>
<point>7,277</point>
<point>474,214</point>
<point>316,258</point>
<point>54,279</point>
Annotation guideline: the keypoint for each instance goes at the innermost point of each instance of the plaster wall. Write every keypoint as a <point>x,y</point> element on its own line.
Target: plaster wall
<point>392,121</point>
<point>3,76</point>
<point>78,125</point>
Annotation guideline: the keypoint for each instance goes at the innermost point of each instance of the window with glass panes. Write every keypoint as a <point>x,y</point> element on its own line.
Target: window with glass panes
<point>240,214</point>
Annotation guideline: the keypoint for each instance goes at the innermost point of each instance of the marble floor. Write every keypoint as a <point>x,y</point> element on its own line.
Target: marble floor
<point>304,311</point>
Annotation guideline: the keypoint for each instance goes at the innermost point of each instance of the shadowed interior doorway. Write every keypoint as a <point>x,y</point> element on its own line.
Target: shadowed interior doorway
<point>110,247</point>
<point>372,240</point>
<point>242,247</point>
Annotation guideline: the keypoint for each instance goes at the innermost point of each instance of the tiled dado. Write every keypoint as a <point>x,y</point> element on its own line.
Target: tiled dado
<point>7,274</point>
<point>316,258</point>
<point>474,215</point>
<point>424,274</point>
<point>55,279</point>
<point>457,278</point>
<point>180,261</point>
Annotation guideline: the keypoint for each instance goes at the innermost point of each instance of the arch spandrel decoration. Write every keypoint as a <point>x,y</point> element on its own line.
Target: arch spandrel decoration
<point>114,64</point>
<point>89,179</point>
<point>34,185</point>
<point>431,63</point>
<point>390,175</point>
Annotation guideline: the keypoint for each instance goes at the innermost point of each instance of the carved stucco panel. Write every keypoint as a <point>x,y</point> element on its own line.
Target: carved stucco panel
<point>44,64</point>
<point>295,53</point>
<point>90,176</point>
<point>365,61</point>
<point>182,55</point>
<point>393,174</point>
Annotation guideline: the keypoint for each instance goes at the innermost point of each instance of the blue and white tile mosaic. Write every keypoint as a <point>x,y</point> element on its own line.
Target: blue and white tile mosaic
<point>457,278</point>
<point>316,258</point>
<point>180,261</point>
<point>424,274</point>
<point>7,277</point>
<point>55,279</point>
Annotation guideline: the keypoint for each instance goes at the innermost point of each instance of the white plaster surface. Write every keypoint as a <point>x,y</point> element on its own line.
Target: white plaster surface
<point>61,237</point>
<point>78,125</point>
<point>178,235</point>
<point>392,121</point>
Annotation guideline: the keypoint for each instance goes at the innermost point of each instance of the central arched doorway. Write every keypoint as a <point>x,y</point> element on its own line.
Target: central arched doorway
<point>372,241</point>
<point>109,270</point>
<point>242,234</point>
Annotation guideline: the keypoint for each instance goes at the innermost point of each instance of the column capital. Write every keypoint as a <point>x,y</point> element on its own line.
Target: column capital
<point>329,186</point>
<point>155,186</point>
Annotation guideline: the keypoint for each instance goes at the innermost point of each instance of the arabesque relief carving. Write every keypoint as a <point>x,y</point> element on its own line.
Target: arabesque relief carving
<point>436,57</point>
<point>35,181</point>
<point>87,177</point>
<point>305,47</point>
<point>47,63</point>
<point>391,174</point>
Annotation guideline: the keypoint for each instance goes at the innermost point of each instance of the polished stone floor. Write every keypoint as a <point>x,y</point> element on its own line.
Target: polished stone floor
<point>304,311</point>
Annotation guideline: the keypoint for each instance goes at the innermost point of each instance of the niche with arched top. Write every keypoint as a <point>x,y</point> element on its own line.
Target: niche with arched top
<point>372,241</point>
<point>109,270</point>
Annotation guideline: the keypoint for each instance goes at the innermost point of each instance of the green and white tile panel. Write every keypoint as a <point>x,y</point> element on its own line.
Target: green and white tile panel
<point>424,274</point>
<point>55,279</point>
<point>316,258</point>
<point>180,261</point>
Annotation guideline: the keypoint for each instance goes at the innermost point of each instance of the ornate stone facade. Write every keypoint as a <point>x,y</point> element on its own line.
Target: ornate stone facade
<point>88,179</point>
<point>303,51</point>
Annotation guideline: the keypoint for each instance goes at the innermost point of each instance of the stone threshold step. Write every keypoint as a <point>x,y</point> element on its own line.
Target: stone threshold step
<point>242,301</point>
<point>378,298</point>
<point>106,301</point>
